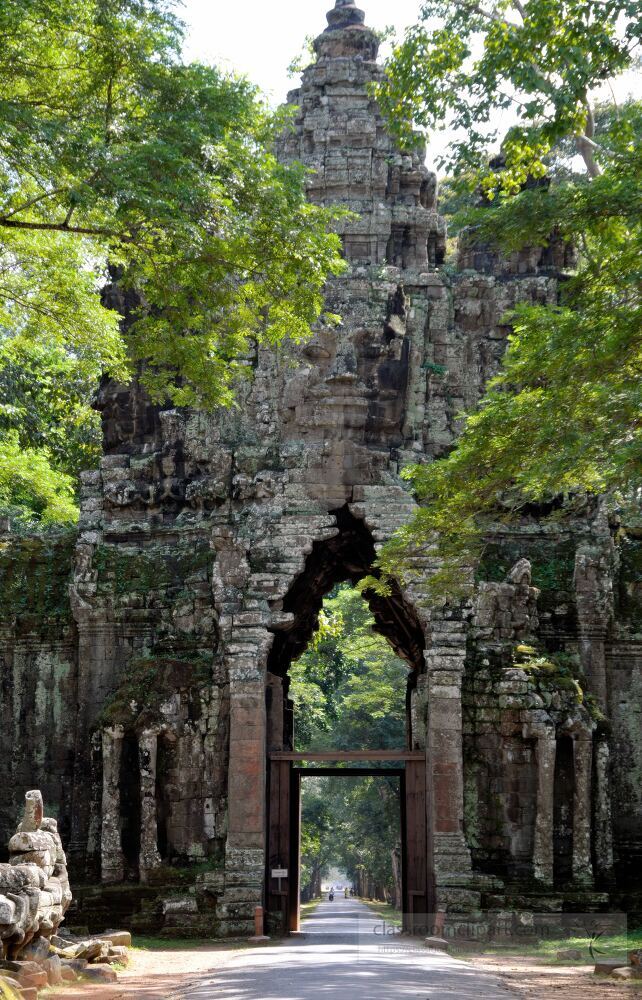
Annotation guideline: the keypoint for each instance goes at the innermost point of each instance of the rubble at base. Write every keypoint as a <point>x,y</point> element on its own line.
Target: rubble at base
<point>35,952</point>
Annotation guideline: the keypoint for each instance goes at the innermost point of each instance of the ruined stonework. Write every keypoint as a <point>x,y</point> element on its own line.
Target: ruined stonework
<point>34,886</point>
<point>148,683</point>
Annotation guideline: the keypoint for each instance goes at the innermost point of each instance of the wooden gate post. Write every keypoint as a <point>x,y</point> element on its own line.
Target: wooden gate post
<point>277,895</point>
<point>416,862</point>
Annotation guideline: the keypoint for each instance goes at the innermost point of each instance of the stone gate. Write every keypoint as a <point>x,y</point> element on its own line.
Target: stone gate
<point>145,658</point>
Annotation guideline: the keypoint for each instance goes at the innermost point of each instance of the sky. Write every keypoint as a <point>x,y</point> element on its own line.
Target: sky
<point>261,37</point>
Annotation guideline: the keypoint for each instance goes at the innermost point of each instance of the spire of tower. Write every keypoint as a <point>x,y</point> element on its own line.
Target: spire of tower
<point>347,34</point>
<point>345,15</point>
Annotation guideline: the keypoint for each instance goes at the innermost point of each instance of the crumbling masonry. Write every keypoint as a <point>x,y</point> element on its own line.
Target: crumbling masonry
<point>145,659</point>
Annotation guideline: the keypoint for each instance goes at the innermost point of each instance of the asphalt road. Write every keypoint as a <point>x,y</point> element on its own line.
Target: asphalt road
<point>345,955</point>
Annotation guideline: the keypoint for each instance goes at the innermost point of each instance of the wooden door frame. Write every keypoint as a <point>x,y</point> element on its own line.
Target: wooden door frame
<point>288,778</point>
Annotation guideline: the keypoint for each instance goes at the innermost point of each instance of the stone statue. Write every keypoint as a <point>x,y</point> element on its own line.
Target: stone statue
<point>34,885</point>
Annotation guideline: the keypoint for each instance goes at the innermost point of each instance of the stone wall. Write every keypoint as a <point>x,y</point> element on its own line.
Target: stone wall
<point>38,675</point>
<point>623,658</point>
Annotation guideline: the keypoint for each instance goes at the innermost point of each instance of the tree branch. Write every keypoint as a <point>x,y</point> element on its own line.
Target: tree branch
<point>32,201</point>
<point>55,227</point>
<point>585,145</point>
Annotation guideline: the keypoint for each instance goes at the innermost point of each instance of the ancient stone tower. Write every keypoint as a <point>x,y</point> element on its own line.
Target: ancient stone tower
<point>145,659</point>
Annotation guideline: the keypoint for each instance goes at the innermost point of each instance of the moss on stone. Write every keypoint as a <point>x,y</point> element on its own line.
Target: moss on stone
<point>150,681</point>
<point>629,582</point>
<point>471,805</point>
<point>142,571</point>
<point>35,572</point>
<point>552,562</point>
<point>554,671</point>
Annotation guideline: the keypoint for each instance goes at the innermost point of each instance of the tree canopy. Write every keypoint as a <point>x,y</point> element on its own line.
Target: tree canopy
<point>471,65</point>
<point>349,692</point>
<point>348,688</point>
<point>562,416</point>
<point>353,823</point>
<point>118,158</point>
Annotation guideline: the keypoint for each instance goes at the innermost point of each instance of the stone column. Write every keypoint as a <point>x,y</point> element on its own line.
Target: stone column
<point>546,750</point>
<point>111,852</point>
<point>149,858</point>
<point>247,776</point>
<point>418,713</point>
<point>275,717</point>
<point>95,684</point>
<point>93,863</point>
<point>445,768</point>
<point>593,581</point>
<point>583,759</point>
<point>603,826</point>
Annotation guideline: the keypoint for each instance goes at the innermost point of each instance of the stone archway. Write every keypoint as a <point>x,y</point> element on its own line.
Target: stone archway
<point>285,574</point>
<point>346,556</point>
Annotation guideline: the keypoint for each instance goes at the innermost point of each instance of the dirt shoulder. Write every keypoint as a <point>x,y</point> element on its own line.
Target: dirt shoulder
<point>154,974</point>
<point>157,973</point>
<point>527,977</point>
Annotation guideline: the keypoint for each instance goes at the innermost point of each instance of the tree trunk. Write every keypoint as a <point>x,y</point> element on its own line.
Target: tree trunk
<point>397,901</point>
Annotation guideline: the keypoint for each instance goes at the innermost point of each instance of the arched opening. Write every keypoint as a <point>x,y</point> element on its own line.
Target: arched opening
<point>564,791</point>
<point>130,813</point>
<point>344,560</point>
<point>348,556</point>
<point>164,764</point>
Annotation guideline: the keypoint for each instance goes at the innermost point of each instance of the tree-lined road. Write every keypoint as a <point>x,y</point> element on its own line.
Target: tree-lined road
<point>345,954</point>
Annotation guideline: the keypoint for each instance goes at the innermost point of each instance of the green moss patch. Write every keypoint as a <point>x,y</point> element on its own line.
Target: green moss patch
<point>552,563</point>
<point>149,683</point>
<point>142,571</point>
<point>629,590</point>
<point>35,572</point>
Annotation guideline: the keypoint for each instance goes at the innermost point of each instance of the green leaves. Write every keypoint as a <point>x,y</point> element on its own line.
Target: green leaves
<point>45,397</point>
<point>31,489</point>
<point>118,158</point>
<point>563,415</point>
<point>466,63</point>
<point>348,687</point>
<point>111,149</point>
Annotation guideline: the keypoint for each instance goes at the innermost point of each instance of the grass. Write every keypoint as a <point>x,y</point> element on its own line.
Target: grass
<point>307,909</point>
<point>612,946</point>
<point>386,911</point>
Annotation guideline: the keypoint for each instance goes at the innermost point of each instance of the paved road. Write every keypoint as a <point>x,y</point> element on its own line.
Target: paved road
<point>342,958</point>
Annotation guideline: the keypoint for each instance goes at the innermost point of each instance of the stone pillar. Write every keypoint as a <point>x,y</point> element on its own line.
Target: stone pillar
<point>445,769</point>
<point>593,581</point>
<point>275,717</point>
<point>583,759</point>
<point>546,750</point>
<point>95,684</point>
<point>111,852</point>
<point>93,853</point>
<point>418,714</point>
<point>149,858</point>
<point>247,777</point>
<point>603,827</point>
